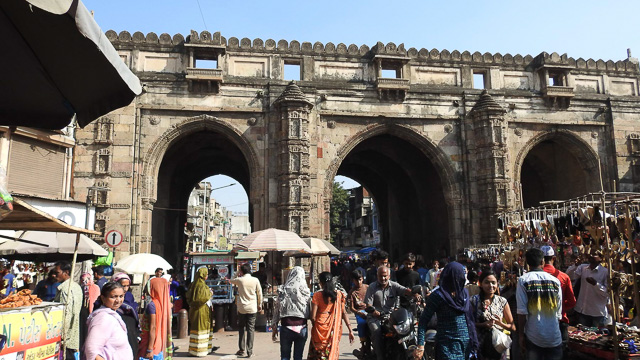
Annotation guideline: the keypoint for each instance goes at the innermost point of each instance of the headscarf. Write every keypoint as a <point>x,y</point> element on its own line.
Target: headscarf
<point>452,280</point>
<point>294,295</point>
<point>91,290</point>
<point>201,276</point>
<point>159,292</point>
<point>128,296</point>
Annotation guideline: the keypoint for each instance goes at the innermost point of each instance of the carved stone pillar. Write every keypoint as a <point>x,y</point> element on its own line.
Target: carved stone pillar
<point>491,169</point>
<point>293,160</point>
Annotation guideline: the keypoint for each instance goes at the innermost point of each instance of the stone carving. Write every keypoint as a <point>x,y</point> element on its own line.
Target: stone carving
<point>252,121</point>
<point>103,133</point>
<point>518,132</point>
<point>103,161</point>
<point>448,128</point>
<point>594,135</point>
<point>154,120</point>
<point>295,224</point>
<point>295,194</point>
<point>331,124</point>
<point>295,162</point>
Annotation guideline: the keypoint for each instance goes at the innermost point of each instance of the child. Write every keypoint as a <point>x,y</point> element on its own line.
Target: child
<point>357,306</point>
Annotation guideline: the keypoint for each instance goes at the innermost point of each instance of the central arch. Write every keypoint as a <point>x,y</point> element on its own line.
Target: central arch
<point>196,148</point>
<point>414,186</point>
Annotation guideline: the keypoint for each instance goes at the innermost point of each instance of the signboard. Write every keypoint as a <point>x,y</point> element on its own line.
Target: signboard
<point>33,332</point>
<point>213,259</point>
<point>223,271</point>
<point>113,238</point>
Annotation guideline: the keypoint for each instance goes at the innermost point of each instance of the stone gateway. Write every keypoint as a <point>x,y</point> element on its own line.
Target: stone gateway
<point>441,139</point>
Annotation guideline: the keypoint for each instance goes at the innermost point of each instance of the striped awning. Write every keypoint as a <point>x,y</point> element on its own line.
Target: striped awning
<point>274,240</point>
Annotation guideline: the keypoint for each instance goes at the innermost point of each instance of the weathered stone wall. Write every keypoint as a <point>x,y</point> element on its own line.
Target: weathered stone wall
<point>591,109</point>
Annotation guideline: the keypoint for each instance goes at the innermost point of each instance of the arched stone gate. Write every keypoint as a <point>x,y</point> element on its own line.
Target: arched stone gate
<point>293,138</point>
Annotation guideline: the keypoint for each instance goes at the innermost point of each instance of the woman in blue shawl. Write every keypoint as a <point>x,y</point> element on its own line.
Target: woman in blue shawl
<point>456,338</point>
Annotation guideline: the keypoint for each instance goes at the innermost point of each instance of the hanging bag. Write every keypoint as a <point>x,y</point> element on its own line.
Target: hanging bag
<point>500,341</point>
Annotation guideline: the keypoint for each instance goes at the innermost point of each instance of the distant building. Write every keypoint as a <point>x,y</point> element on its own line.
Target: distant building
<point>360,223</point>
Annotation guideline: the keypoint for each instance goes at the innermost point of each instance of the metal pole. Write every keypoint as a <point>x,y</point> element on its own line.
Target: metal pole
<point>631,247</point>
<point>66,305</point>
<point>612,294</point>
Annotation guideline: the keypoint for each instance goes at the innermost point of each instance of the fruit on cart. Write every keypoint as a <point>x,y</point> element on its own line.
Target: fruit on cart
<point>21,298</point>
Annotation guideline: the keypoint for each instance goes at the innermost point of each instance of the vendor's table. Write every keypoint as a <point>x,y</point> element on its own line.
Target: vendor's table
<point>33,332</point>
<point>591,351</point>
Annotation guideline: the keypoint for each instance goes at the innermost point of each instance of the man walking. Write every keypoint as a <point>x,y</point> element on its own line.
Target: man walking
<point>98,275</point>
<point>70,294</point>
<point>249,303</point>
<point>539,310</point>
<point>593,298</point>
<point>568,299</point>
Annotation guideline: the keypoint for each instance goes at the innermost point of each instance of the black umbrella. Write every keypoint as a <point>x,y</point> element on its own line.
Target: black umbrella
<point>57,62</point>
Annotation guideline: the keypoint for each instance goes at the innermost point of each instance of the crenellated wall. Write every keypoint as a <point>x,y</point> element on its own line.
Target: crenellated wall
<point>398,120</point>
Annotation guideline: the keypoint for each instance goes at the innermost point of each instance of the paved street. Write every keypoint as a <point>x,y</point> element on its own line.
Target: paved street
<point>263,347</point>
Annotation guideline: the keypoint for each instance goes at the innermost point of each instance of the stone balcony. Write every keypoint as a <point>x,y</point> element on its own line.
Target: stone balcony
<point>204,80</point>
<point>392,89</point>
<point>559,91</point>
<point>204,74</point>
<point>393,84</point>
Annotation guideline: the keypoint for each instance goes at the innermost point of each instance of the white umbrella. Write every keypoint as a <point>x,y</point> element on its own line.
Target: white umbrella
<point>142,264</point>
<point>317,248</point>
<point>274,240</point>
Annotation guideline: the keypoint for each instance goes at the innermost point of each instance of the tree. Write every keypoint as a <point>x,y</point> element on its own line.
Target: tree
<point>339,205</point>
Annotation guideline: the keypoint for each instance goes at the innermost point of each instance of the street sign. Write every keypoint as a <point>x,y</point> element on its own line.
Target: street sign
<point>113,238</point>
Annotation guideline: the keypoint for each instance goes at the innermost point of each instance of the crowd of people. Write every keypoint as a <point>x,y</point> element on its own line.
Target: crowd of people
<point>476,308</point>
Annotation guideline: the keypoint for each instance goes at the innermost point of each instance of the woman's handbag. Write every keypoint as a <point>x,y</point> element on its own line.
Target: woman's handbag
<point>500,341</point>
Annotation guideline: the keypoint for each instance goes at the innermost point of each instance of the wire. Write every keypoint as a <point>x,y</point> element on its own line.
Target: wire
<point>202,15</point>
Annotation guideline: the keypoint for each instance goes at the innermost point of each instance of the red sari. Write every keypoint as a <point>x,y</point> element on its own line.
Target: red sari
<point>327,328</point>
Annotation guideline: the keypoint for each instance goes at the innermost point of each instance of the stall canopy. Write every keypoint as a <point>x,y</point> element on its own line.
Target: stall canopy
<point>26,217</point>
<point>318,247</point>
<point>273,240</point>
<point>57,63</point>
<point>49,246</point>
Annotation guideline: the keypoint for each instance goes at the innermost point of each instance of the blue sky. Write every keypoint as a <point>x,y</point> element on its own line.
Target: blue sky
<point>587,29</point>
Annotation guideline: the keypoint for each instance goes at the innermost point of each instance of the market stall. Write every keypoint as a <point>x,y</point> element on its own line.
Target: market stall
<point>32,329</point>
<point>606,223</point>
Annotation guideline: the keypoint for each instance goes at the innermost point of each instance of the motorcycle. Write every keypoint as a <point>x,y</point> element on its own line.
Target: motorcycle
<point>399,329</point>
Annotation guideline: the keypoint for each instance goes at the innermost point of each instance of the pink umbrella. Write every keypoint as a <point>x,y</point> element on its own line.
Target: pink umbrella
<point>274,240</point>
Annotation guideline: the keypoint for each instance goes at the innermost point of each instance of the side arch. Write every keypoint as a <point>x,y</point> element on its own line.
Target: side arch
<point>155,154</point>
<point>586,155</point>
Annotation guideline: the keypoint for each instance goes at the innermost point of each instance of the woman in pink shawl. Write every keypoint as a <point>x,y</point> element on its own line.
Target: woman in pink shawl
<point>91,291</point>
<point>107,334</point>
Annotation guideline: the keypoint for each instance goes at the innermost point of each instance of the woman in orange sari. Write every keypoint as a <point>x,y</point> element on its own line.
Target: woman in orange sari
<point>156,323</point>
<point>327,314</point>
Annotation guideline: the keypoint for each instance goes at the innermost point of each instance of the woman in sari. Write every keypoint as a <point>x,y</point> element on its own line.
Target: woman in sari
<point>200,331</point>
<point>327,314</point>
<point>129,311</point>
<point>91,291</point>
<point>156,323</point>
<point>107,335</point>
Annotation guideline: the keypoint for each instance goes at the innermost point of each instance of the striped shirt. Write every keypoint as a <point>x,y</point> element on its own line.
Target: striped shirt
<point>540,299</point>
